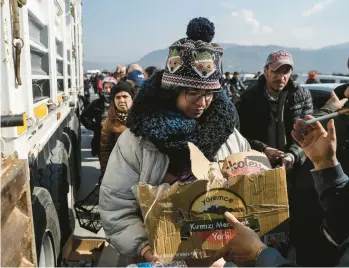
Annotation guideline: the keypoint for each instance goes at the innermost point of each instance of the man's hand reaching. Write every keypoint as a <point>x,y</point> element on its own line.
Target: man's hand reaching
<point>334,103</point>
<point>320,146</point>
<point>244,246</point>
<point>273,154</point>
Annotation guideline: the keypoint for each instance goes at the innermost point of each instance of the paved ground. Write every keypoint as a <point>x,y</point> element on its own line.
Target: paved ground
<point>89,177</point>
<point>90,172</point>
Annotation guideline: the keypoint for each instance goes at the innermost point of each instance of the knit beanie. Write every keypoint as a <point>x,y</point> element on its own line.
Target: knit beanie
<point>194,62</point>
<point>120,87</point>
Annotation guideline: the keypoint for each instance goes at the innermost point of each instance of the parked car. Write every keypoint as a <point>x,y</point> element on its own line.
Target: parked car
<point>320,94</point>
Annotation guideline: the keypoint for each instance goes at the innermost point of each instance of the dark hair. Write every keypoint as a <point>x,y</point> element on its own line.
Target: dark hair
<point>150,71</point>
<point>226,73</point>
<point>235,73</point>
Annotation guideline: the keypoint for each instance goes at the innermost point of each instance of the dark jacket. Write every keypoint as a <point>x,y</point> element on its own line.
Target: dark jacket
<point>86,98</point>
<point>342,128</point>
<point>225,81</point>
<point>255,115</point>
<point>91,118</point>
<point>94,83</point>
<point>306,213</point>
<point>87,85</point>
<point>236,86</point>
<point>332,186</point>
<point>112,129</point>
<point>312,81</point>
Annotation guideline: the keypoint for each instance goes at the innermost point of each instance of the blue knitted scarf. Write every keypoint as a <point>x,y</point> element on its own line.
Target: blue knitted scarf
<point>154,116</point>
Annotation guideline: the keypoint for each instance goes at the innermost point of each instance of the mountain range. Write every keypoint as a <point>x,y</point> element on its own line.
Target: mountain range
<point>243,58</point>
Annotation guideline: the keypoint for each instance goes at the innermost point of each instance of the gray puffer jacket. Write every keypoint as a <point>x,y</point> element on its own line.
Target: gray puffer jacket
<point>134,160</point>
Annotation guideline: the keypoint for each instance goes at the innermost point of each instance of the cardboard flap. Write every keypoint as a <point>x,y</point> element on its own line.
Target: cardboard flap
<point>200,166</point>
<point>185,221</point>
<point>246,163</point>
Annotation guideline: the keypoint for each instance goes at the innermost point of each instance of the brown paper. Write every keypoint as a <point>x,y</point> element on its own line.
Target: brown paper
<point>185,220</point>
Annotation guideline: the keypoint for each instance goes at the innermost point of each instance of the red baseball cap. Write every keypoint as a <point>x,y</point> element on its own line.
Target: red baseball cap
<point>278,58</point>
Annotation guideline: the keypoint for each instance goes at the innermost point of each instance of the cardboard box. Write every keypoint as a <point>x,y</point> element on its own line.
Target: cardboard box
<point>185,221</point>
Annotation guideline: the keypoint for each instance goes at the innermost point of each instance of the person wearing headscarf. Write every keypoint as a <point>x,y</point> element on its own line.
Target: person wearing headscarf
<point>149,72</point>
<point>96,112</point>
<point>115,124</point>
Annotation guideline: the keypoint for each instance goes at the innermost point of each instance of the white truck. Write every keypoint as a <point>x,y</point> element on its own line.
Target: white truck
<point>41,78</point>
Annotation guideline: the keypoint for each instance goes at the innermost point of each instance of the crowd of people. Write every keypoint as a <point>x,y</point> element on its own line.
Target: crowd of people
<point>143,121</point>
<point>106,116</point>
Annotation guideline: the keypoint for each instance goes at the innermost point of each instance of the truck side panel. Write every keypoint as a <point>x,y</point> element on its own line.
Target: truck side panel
<point>49,142</point>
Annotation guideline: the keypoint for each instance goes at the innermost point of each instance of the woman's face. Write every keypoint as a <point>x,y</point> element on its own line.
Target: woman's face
<point>107,87</point>
<point>146,75</point>
<point>123,101</point>
<point>193,102</point>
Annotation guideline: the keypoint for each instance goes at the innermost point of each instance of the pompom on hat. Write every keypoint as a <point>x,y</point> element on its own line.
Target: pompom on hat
<point>194,62</point>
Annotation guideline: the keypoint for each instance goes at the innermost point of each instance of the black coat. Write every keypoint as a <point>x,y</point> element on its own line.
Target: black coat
<point>236,86</point>
<point>255,114</point>
<point>340,90</point>
<point>312,81</point>
<point>91,118</point>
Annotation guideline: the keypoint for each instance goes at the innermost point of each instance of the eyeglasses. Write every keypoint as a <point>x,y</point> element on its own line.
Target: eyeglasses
<point>193,96</point>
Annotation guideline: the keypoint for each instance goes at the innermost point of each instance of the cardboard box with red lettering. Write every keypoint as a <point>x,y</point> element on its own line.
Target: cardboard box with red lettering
<point>185,221</point>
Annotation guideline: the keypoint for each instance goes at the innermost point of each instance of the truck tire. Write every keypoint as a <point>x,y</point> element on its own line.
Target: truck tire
<point>56,178</point>
<point>46,228</point>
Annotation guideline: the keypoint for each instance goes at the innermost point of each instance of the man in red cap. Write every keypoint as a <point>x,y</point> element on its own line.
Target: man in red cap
<point>267,114</point>
<point>277,103</point>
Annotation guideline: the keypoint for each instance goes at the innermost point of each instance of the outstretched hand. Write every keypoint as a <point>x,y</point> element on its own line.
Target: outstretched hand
<point>334,103</point>
<point>244,246</point>
<point>320,146</point>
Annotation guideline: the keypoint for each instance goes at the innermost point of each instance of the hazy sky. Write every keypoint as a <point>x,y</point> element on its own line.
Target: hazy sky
<point>126,30</point>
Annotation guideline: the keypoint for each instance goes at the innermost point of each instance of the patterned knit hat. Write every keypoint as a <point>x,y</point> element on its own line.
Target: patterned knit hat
<point>194,62</point>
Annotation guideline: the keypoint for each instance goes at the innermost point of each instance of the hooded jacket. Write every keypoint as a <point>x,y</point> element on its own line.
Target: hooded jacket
<point>91,118</point>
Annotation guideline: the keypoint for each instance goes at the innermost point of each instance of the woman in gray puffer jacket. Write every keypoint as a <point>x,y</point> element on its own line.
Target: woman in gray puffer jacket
<point>184,103</point>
